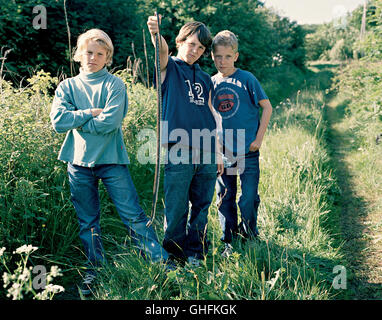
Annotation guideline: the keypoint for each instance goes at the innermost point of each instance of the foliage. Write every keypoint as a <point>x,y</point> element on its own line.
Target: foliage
<point>360,83</point>
<point>281,80</point>
<point>48,48</point>
<point>360,80</point>
<point>266,40</point>
<point>20,282</point>
<point>262,34</point>
<point>371,46</point>
<point>331,42</point>
<point>340,40</point>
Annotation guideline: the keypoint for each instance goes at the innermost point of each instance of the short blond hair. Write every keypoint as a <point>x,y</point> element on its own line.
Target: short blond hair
<point>225,38</point>
<point>98,36</point>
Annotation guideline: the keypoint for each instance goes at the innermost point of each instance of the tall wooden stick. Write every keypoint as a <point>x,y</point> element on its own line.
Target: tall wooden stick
<point>69,36</point>
<point>147,63</point>
<point>159,117</point>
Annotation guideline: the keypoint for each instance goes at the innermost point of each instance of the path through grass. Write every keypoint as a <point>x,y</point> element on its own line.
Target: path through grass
<point>358,170</point>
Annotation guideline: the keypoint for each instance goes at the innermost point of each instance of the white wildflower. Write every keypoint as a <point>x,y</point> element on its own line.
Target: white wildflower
<point>54,288</point>
<point>41,296</point>
<point>2,251</point>
<point>26,249</point>
<point>49,291</point>
<point>25,275</point>
<point>55,271</point>
<point>15,291</point>
<point>6,279</point>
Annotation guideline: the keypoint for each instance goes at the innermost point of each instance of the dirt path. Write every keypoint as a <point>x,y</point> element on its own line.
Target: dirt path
<point>359,224</point>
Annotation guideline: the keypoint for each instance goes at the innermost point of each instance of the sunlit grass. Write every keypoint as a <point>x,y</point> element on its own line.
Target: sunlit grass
<point>294,258</point>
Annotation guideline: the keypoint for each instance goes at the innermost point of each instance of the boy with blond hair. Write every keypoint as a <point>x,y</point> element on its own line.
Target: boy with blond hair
<point>90,108</point>
<point>238,97</point>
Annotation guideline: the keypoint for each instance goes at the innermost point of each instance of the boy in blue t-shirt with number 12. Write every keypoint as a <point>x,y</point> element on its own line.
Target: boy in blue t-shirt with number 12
<point>191,170</point>
<point>238,97</point>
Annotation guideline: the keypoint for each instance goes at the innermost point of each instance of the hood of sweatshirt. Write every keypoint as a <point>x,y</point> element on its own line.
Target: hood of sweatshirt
<point>192,68</point>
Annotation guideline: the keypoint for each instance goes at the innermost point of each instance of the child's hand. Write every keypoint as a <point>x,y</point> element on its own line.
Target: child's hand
<point>152,24</point>
<point>220,164</point>
<point>255,145</point>
<point>220,169</point>
<point>96,111</point>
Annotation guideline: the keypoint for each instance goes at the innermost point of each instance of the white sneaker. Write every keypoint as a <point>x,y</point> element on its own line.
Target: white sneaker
<point>87,286</point>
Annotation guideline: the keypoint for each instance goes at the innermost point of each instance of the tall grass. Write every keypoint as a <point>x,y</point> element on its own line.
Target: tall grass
<point>356,117</point>
<point>360,93</point>
<point>294,258</point>
<point>296,254</point>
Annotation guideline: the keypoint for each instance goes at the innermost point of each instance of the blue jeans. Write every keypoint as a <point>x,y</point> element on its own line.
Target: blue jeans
<point>83,183</point>
<point>188,188</point>
<point>226,190</point>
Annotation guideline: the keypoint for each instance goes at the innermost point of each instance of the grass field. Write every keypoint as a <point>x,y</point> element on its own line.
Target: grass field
<point>301,243</point>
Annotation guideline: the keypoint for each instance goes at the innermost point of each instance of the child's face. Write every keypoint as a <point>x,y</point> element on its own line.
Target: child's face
<point>191,49</point>
<point>224,59</point>
<point>94,57</point>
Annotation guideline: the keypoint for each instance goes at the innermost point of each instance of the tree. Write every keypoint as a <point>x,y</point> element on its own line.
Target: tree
<point>48,48</point>
<point>263,35</point>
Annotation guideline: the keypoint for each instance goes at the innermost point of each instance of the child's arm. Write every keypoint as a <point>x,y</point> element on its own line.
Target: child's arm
<point>266,116</point>
<point>111,116</point>
<point>65,116</point>
<point>152,24</point>
<point>219,133</point>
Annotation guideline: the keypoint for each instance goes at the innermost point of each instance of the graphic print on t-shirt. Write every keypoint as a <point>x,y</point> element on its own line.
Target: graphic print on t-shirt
<point>198,89</point>
<point>227,102</point>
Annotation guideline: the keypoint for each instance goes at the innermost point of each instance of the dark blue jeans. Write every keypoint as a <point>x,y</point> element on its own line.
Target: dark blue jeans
<point>83,183</point>
<point>226,191</point>
<point>189,188</point>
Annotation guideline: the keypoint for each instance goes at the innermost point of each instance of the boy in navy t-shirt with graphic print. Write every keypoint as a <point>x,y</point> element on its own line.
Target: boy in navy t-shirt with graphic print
<point>238,97</point>
<point>191,171</point>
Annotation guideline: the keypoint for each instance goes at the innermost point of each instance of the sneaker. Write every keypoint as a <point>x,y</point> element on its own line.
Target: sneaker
<point>228,250</point>
<point>194,262</point>
<point>88,282</point>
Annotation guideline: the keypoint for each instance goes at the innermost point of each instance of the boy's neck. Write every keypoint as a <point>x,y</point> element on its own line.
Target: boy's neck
<point>86,71</point>
<point>180,58</point>
<point>229,73</point>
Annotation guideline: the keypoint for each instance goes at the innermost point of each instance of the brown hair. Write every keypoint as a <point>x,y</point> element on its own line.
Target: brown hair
<point>191,28</point>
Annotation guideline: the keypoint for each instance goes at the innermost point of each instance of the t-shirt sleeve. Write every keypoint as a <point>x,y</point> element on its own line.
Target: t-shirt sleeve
<point>213,92</point>
<point>211,88</point>
<point>256,91</point>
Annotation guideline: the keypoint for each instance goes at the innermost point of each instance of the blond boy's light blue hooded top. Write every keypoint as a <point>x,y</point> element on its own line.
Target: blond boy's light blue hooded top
<point>91,140</point>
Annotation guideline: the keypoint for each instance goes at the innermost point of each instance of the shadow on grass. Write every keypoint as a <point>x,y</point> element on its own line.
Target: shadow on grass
<point>346,220</point>
<point>351,210</point>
